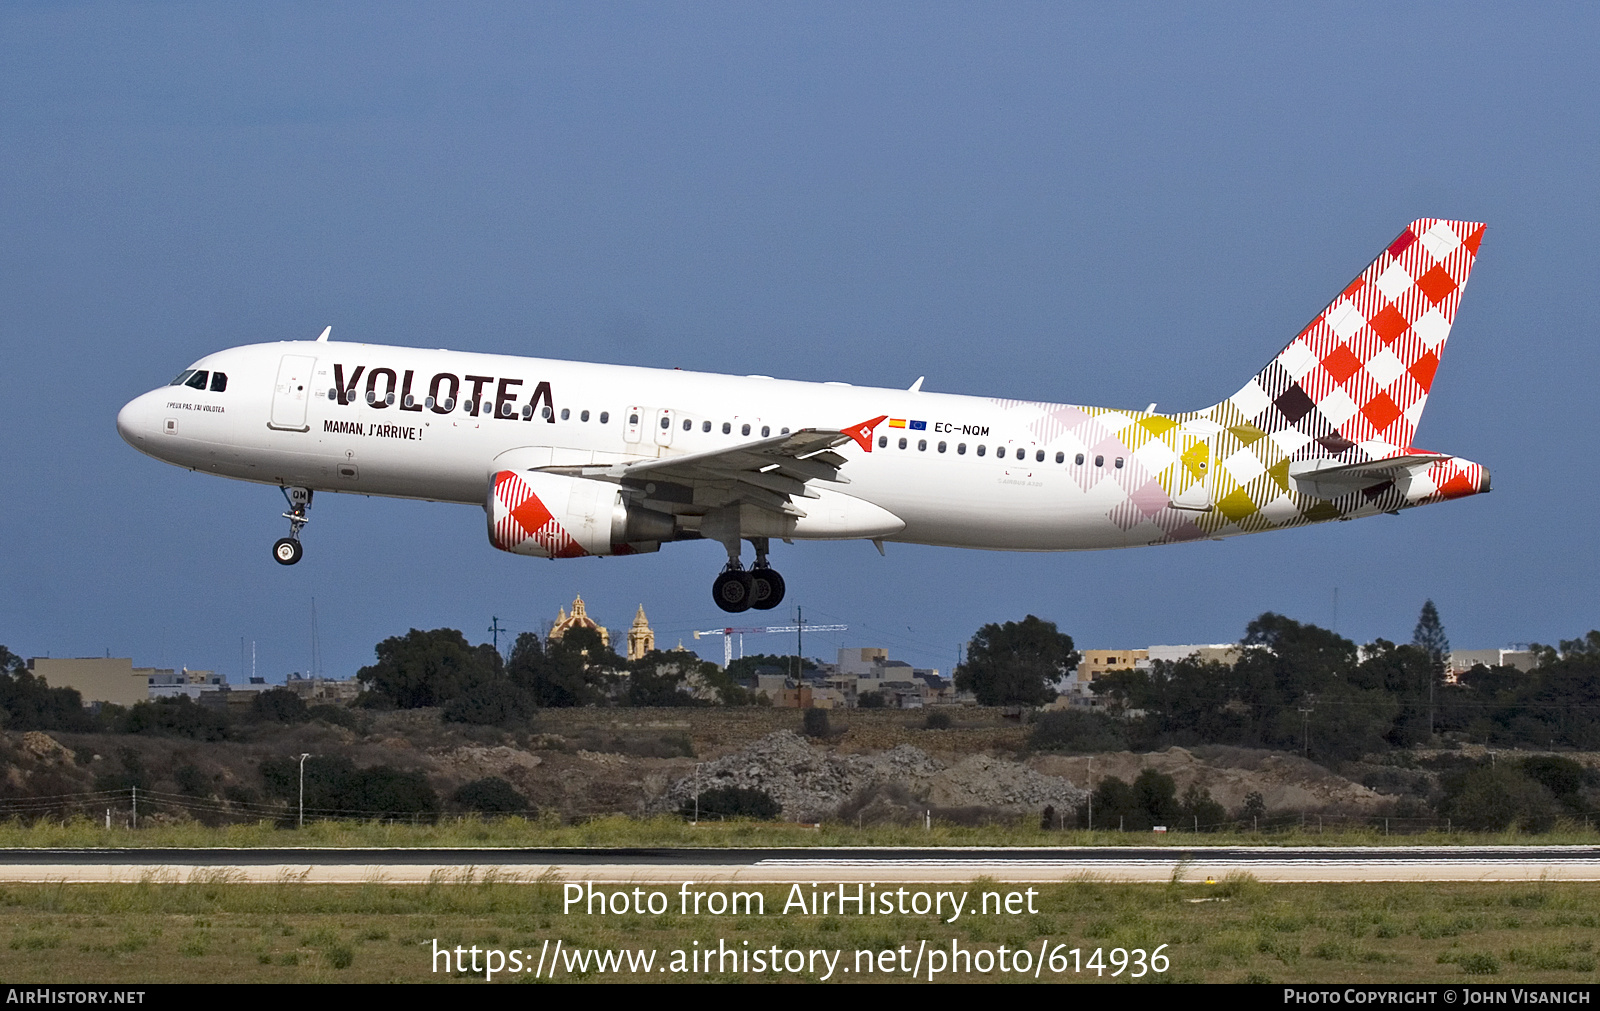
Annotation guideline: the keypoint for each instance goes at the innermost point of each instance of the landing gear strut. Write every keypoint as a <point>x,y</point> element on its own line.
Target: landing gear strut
<point>736,589</point>
<point>288,550</point>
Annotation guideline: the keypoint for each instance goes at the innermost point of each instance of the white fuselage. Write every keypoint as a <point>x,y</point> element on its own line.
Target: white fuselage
<point>956,480</point>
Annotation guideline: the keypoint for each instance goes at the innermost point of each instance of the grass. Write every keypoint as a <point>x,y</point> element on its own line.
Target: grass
<point>1238,930</point>
<point>671,831</point>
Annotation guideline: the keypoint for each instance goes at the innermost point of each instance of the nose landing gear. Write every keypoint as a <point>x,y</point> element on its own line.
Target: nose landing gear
<point>736,589</point>
<point>288,550</point>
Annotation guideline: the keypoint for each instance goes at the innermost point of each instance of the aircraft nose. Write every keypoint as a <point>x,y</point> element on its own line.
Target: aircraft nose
<point>133,421</point>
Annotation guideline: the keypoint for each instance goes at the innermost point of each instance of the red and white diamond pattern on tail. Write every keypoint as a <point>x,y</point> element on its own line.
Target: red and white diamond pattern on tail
<point>1365,365</point>
<point>519,517</point>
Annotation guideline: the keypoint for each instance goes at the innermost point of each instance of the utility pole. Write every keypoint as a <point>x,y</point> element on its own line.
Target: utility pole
<point>1305,726</point>
<point>495,630</point>
<point>315,669</point>
<point>300,822</point>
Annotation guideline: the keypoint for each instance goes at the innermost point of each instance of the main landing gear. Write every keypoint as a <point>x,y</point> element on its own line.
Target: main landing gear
<point>288,550</point>
<point>738,589</point>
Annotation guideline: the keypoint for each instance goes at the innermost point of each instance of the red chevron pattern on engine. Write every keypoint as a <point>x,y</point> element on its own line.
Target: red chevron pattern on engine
<point>520,517</point>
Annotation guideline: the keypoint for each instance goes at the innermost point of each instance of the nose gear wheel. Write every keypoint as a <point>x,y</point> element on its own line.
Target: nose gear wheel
<point>288,550</point>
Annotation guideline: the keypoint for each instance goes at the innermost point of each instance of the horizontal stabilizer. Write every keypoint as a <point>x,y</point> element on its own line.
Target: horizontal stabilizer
<point>1325,478</point>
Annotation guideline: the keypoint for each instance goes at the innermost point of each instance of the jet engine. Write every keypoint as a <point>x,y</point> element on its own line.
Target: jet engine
<point>555,516</point>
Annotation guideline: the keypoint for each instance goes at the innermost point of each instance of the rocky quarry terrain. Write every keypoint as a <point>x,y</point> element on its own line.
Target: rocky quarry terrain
<point>874,767</point>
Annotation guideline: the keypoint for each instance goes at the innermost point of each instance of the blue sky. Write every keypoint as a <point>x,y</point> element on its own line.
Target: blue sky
<point>1052,202</point>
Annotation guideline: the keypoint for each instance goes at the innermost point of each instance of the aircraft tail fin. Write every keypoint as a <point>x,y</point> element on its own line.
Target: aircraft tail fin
<point>1360,372</point>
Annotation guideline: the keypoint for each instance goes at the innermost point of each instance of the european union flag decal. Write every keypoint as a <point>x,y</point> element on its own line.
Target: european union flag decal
<point>919,426</point>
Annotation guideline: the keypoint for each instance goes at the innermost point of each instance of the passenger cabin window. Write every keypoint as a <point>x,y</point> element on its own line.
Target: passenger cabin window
<point>726,428</point>
<point>219,382</point>
<point>766,430</point>
<point>1079,460</point>
<point>605,416</point>
<point>980,450</point>
<point>941,447</point>
<point>744,430</point>
<point>705,426</point>
<point>198,380</point>
<point>902,442</point>
<point>583,416</point>
<point>1061,458</point>
<point>544,413</point>
<point>1119,463</point>
<point>961,449</point>
<point>1038,457</point>
<point>1099,461</point>
<point>666,423</point>
<point>883,440</point>
<point>633,419</point>
<point>783,431</point>
<point>566,413</point>
<point>922,445</point>
<point>688,425</point>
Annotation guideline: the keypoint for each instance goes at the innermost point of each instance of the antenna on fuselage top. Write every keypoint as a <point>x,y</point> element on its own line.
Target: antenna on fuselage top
<point>916,387</point>
<point>324,338</point>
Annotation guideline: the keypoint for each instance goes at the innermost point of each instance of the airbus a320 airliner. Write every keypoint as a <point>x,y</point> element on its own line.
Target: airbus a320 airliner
<point>571,459</point>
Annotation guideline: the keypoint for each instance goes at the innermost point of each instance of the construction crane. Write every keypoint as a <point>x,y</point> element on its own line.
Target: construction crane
<point>798,628</point>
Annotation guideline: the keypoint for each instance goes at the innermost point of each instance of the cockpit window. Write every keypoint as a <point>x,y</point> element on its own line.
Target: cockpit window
<point>219,382</point>
<point>183,377</point>
<point>198,380</point>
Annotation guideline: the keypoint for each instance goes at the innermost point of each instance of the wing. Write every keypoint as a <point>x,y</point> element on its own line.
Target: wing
<point>767,473</point>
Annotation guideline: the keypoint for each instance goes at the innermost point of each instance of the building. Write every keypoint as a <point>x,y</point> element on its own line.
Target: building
<point>111,679</point>
<point>1094,664</point>
<point>1226,653</point>
<point>861,661</point>
<point>640,639</point>
<point>579,618</point>
<point>1463,660</point>
<point>320,690</point>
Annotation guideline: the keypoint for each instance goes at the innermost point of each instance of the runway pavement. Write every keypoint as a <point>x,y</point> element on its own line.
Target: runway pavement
<point>783,865</point>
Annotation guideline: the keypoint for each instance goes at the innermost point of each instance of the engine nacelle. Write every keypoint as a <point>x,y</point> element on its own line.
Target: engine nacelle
<point>555,516</point>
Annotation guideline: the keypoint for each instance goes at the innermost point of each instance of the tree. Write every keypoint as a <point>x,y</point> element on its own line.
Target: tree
<point>491,795</point>
<point>1200,811</point>
<point>661,679</point>
<point>1497,798</point>
<point>1017,663</point>
<point>333,785</point>
<point>1075,730</point>
<point>577,670</point>
<point>176,717</point>
<point>28,703</point>
<point>815,723</point>
<point>422,669</point>
<point>1429,634</point>
<point>733,802</point>
<point>278,705</point>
